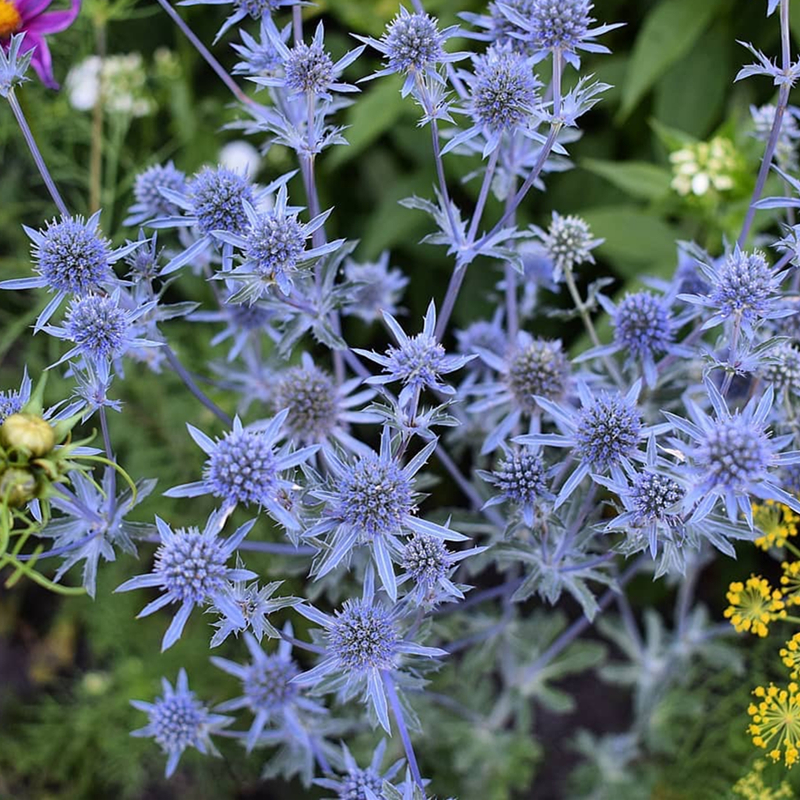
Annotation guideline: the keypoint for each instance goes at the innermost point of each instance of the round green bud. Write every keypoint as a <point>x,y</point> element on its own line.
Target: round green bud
<point>17,487</point>
<point>28,432</point>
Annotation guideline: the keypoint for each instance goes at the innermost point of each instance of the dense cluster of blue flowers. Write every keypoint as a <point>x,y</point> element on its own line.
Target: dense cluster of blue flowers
<point>657,440</point>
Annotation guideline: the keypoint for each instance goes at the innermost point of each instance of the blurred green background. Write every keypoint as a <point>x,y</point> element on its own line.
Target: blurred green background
<point>68,668</point>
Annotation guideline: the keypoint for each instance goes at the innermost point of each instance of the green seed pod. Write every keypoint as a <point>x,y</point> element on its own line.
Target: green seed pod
<point>28,432</point>
<point>17,487</point>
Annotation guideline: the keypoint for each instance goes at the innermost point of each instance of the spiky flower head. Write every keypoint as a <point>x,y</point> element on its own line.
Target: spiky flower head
<point>521,477</point>
<point>150,202</point>
<point>374,496</point>
<point>12,400</point>
<point>559,24</point>
<point>501,29</point>
<point>503,89</point>
<point>71,255</point>
<point>775,725</point>
<point>361,783</point>
<point>363,636</point>
<point>191,566</point>
<point>654,496</point>
<point>642,324</point>
<point>734,452</point>
<point>309,69</point>
<point>568,242</point>
<point>608,430</point>
<point>753,605</point>
<point>539,368</point>
<point>258,8</point>
<point>377,287</point>
<point>744,285</point>
<point>98,326</point>
<point>179,720</point>
<point>217,197</point>
<point>426,559</point>
<point>274,244</point>
<point>786,148</point>
<point>243,467</point>
<point>413,42</point>
<point>782,368</point>
<point>310,395</point>
<point>13,66</point>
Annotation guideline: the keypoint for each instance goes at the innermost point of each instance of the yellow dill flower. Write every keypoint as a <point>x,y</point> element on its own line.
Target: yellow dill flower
<point>753,605</point>
<point>791,655</point>
<point>775,725</point>
<point>790,582</point>
<point>753,787</point>
<point>776,521</point>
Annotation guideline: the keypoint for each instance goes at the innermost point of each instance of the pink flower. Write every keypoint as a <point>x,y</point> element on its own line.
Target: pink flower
<point>28,17</point>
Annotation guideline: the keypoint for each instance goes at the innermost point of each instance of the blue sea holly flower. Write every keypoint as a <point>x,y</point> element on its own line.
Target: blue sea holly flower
<point>732,456</point>
<point>561,27</point>
<point>273,248</point>
<point>255,9</point>
<point>521,479</point>
<point>178,720</point>
<point>568,243</point>
<point>417,361</point>
<point>375,288</point>
<point>496,27</point>
<point>644,329</point>
<point>413,45</point>
<point>244,467</point>
<point>362,784</point>
<point>268,691</point>
<point>213,201</point>
<point>13,66</point>
<point>190,569</point>
<point>100,328</point>
<point>604,434</point>
<point>370,502</point>
<point>245,324</point>
<point>428,566</point>
<point>782,369</point>
<point>503,99</point>
<point>259,56</point>
<point>320,411</point>
<point>744,289</point>
<point>308,69</point>
<point>150,202</point>
<point>256,603</point>
<point>12,400</point>
<point>72,257</point>
<point>361,641</point>
<point>93,523</point>
<point>483,335</point>
<point>532,368</point>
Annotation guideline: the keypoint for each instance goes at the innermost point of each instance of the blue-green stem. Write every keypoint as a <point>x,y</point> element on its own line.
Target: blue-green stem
<point>397,713</point>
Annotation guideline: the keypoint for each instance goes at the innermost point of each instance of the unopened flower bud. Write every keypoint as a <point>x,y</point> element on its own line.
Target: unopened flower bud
<point>28,432</point>
<point>17,487</point>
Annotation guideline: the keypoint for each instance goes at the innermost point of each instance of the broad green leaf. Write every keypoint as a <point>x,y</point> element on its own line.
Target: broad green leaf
<point>671,138</point>
<point>669,32</point>
<point>636,178</point>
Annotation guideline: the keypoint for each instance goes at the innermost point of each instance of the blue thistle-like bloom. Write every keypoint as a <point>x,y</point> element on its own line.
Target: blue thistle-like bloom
<point>147,193</point>
<point>428,566</point>
<point>362,641</point>
<point>13,66</point>
<point>273,248</point>
<point>370,503</point>
<point>558,26</point>
<point>375,288</point>
<point>259,56</point>
<point>190,569</point>
<point>503,96</point>
<point>533,367</point>
<point>644,329</point>
<point>243,467</point>
<point>782,368</point>
<point>12,400</point>
<point>72,257</point>
<point>93,523</point>
<point>320,412</point>
<point>178,720</point>
<point>744,288</point>
<point>521,479</point>
<point>361,783</point>
<point>568,242</point>
<point>496,27</point>
<point>256,603</point>
<point>268,691</point>
<point>255,9</point>
<point>245,324</point>
<point>308,69</point>
<point>417,361</point>
<point>732,456</point>
<point>413,46</point>
<point>604,434</point>
<point>101,328</point>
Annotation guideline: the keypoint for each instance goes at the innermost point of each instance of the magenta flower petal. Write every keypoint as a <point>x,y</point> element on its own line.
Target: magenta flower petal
<point>28,9</point>
<point>55,21</point>
<point>41,61</point>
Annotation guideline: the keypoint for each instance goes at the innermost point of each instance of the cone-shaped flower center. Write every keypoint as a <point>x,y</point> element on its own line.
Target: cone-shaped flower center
<point>10,19</point>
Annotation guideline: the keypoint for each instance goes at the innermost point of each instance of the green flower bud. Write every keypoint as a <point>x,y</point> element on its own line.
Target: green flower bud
<point>28,432</point>
<point>17,487</point>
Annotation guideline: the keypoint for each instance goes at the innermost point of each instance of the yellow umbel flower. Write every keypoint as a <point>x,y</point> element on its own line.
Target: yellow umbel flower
<point>753,787</point>
<point>790,582</point>
<point>791,656</point>
<point>776,521</point>
<point>753,605</point>
<point>775,725</point>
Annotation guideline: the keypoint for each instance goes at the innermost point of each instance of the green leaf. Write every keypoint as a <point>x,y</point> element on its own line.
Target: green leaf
<point>669,32</point>
<point>636,178</point>
<point>634,239</point>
